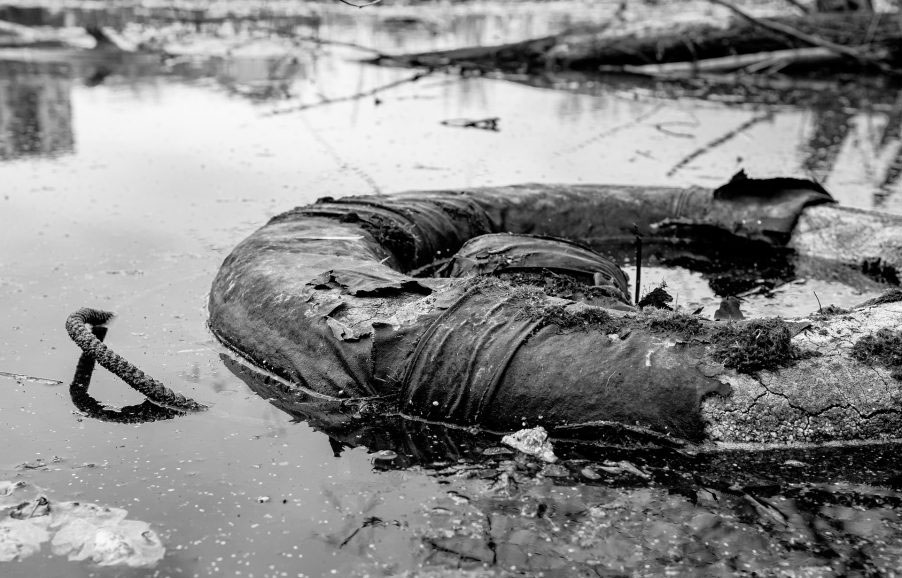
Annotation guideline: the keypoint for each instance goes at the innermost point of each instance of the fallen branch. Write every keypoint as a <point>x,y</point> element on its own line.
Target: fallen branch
<point>796,34</point>
<point>483,57</point>
<point>850,38</point>
<point>814,55</point>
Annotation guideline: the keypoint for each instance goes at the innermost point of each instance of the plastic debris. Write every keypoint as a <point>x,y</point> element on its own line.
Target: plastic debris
<point>384,458</point>
<point>76,530</point>
<point>795,463</point>
<point>589,474</point>
<point>533,442</point>
<point>623,467</point>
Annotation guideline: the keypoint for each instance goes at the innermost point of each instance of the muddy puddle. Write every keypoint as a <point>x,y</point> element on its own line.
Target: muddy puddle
<point>126,179</point>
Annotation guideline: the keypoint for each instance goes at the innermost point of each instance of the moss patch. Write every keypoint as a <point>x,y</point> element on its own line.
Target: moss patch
<point>746,346</point>
<point>883,348</point>
<point>658,298</point>
<point>828,312</point>
<point>891,296</point>
<point>685,326</point>
<point>566,286</point>
<point>754,346</point>
<point>533,303</point>
<point>560,316</point>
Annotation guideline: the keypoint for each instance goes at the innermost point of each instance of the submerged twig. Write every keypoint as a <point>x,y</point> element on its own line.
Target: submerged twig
<point>30,378</point>
<point>356,95</point>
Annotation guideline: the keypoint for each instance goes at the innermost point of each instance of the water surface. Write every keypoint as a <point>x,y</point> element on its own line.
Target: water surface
<point>127,180</point>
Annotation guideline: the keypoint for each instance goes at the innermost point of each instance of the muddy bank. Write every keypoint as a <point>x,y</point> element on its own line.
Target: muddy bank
<point>318,297</point>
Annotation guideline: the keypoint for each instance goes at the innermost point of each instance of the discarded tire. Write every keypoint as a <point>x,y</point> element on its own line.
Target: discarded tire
<point>544,333</point>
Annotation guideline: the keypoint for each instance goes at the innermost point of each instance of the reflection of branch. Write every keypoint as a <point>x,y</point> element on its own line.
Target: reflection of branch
<point>718,141</point>
<point>324,42</point>
<point>356,96</point>
<point>369,522</point>
<point>662,127</point>
<point>809,39</point>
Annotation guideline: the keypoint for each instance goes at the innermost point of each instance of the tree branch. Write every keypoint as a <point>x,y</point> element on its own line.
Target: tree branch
<point>804,37</point>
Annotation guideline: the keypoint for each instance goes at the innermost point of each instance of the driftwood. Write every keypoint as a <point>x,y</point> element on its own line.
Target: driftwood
<point>827,39</point>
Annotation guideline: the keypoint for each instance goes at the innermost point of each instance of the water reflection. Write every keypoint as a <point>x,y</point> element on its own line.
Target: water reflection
<point>90,407</point>
<point>843,134</point>
<point>629,507</point>
<point>260,71</point>
<point>463,502</point>
<point>35,111</point>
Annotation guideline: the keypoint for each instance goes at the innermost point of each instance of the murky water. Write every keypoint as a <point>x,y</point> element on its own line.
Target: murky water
<point>125,181</point>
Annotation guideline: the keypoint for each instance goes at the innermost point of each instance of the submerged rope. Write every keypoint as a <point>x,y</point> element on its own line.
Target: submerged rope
<point>76,326</point>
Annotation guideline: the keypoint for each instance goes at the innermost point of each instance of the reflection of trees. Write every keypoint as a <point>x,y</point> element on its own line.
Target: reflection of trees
<point>35,114</point>
<point>876,153</point>
<point>892,135</point>
<point>831,127</point>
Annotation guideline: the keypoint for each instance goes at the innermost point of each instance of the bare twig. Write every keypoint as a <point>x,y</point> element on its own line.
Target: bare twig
<point>718,141</point>
<point>804,9</point>
<point>791,32</point>
<point>364,5</point>
<point>30,378</point>
<point>356,96</point>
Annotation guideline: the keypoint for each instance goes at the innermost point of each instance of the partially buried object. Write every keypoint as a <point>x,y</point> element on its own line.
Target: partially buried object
<point>508,337</point>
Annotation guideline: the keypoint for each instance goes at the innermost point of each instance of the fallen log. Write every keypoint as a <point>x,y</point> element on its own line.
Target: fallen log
<point>853,39</point>
<point>750,62</point>
<point>319,298</point>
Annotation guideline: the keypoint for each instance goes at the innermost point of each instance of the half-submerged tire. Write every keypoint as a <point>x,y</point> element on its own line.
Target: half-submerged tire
<point>320,297</point>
